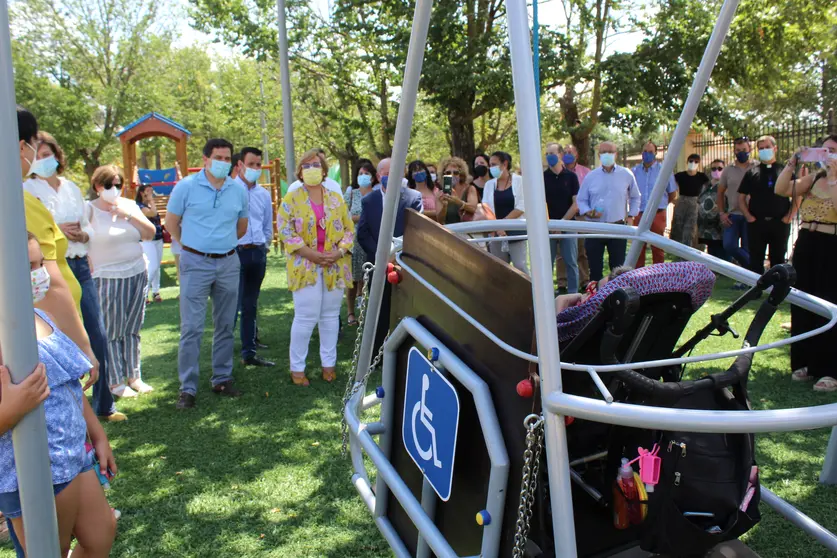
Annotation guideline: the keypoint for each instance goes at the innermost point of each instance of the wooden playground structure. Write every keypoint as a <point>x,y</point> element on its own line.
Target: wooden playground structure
<point>163,180</point>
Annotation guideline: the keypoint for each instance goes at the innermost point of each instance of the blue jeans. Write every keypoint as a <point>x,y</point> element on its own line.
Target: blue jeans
<point>202,278</point>
<point>569,252</point>
<point>735,233</point>
<point>91,314</point>
<point>253,266</point>
<point>595,254</point>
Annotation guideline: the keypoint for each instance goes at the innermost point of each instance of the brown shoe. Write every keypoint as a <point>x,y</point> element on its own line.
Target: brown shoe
<point>227,388</point>
<point>185,401</point>
<point>329,375</point>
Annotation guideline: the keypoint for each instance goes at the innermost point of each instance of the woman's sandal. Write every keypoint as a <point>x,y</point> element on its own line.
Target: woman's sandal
<point>351,321</point>
<point>329,375</point>
<point>826,384</point>
<point>140,387</point>
<point>299,379</point>
<point>800,375</point>
<point>122,391</point>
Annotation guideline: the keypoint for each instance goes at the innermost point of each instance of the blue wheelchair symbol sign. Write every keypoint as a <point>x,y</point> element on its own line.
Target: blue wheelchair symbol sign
<point>431,422</point>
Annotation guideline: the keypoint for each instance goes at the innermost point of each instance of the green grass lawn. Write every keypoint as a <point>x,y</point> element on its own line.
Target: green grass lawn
<point>262,475</point>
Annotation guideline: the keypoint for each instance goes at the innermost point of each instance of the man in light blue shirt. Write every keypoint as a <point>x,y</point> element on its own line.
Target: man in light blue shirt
<point>607,195</point>
<point>252,252</point>
<point>207,214</point>
<point>646,174</point>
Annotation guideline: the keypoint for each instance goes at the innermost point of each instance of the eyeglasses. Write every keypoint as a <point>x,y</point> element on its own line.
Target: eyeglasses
<point>742,139</point>
<point>311,166</point>
<point>717,168</point>
<point>592,288</point>
<point>217,197</point>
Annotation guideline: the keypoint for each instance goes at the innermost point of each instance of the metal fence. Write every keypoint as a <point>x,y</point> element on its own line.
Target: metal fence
<point>789,138</point>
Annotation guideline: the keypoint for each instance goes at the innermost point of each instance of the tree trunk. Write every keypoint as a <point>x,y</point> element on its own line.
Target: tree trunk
<point>143,162</point>
<point>462,134</point>
<point>581,141</point>
<point>158,158</point>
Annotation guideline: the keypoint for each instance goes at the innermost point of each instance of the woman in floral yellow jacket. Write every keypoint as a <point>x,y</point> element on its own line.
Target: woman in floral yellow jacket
<point>318,233</point>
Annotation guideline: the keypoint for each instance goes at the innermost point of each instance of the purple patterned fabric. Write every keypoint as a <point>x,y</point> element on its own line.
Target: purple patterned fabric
<point>692,278</point>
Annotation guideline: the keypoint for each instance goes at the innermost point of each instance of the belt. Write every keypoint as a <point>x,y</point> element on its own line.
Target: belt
<point>76,257</point>
<point>212,256</point>
<point>250,246</point>
<point>814,226</point>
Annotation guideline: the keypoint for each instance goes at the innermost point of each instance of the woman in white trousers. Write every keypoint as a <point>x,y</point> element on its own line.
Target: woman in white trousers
<point>315,226</point>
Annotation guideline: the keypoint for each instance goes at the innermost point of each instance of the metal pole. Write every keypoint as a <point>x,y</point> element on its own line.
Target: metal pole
<point>536,56</point>
<point>684,124</point>
<point>829,467</point>
<point>555,437</point>
<point>17,326</point>
<point>287,107</point>
<point>409,93</point>
<point>265,156</point>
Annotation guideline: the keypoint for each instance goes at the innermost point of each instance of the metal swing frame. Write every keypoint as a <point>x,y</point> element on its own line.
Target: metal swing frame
<point>556,403</point>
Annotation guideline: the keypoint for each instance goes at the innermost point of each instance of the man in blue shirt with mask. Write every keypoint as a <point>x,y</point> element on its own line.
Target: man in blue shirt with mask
<point>207,214</point>
<point>646,174</point>
<point>609,194</point>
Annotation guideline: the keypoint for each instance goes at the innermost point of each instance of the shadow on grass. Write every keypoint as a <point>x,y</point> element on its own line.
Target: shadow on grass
<point>256,476</point>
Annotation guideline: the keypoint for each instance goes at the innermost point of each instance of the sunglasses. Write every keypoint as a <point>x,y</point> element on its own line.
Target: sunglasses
<point>592,288</point>
<point>311,166</point>
<point>717,168</point>
<point>742,139</point>
<point>108,186</point>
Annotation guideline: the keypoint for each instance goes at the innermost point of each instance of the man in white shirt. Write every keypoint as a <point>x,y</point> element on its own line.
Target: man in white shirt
<point>607,195</point>
<point>252,252</point>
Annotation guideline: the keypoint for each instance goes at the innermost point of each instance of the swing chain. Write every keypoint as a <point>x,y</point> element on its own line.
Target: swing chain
<point>352,387</point>
<point>529,483</point>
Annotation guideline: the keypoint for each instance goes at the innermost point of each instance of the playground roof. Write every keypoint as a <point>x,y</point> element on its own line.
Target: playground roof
<point>157,116</point>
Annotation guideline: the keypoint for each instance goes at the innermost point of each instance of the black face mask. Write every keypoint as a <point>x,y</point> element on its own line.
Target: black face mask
<point>480,171</point>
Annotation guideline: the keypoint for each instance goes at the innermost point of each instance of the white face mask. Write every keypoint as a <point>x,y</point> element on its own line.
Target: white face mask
<point>692,166</point>
<point>40,284</point>
<point>433,177</point>
<point>110,195</point>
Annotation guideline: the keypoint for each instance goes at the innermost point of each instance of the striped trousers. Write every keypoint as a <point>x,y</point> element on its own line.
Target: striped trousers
<point>123,311</point>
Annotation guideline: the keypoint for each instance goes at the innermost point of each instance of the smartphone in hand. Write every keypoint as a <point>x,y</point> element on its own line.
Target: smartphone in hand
<point>813,155</point>
<point>447,184</point>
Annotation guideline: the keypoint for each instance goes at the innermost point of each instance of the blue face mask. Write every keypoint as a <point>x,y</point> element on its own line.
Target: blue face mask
<point>551,159</point>
<point>568,158</point>
<point>766,155</point>
<point>219,169</point>
<point>648,157</point>
<point>495,171</point>
<point>608,159</point>
<point>420,176</point>
<point>252,175</point>
<point>742,156</point>
<point>45,167</point>
<point>364,180</point>
<point>384,180</point>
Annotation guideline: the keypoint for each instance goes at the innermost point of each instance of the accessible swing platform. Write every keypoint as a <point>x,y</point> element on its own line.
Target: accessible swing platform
<point>449,468</point>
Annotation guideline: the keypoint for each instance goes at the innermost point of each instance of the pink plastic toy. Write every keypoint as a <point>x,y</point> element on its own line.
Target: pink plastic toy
<point>649,467</point>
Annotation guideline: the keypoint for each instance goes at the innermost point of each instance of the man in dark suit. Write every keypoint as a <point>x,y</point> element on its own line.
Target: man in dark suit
<point>372,211</point>
<point>369,227</point>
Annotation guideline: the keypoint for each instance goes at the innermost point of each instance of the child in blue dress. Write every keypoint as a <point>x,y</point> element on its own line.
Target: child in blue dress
<point>82,509</point>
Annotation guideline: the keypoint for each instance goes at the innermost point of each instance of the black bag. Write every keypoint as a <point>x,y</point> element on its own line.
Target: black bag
<point>705,480</point>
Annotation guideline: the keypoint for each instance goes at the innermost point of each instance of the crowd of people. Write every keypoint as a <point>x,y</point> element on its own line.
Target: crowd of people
<point>95,265</point>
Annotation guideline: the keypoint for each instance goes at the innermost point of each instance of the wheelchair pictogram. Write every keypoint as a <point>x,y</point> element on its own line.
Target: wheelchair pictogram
<point>430,422</point>
<point>421,411</point>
